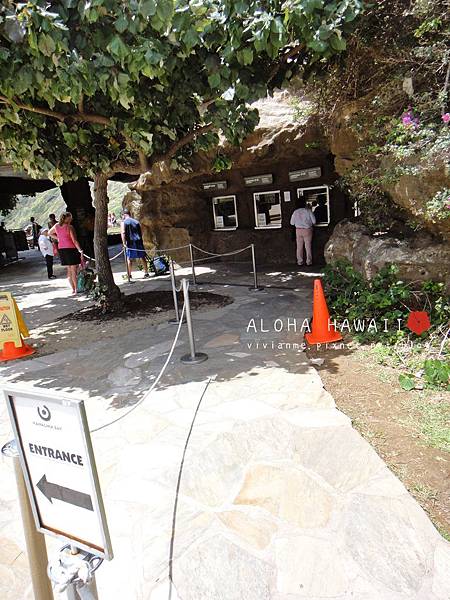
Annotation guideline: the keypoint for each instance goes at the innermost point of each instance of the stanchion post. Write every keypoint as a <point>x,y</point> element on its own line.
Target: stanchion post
<point>35,542</point>
<point>70,559</point>
<point>88,591</point>
<point>126,263</point>
<point>174,293</point>
<point>193,357</point>
<point>191,252</point>
<point>256,287</point>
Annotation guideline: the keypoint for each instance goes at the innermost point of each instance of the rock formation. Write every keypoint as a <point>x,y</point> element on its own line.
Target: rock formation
<point>418,257</point>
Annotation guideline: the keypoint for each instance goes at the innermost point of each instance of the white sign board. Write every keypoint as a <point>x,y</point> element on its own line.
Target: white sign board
<point>287,196</point>
<point>262,220</point>
<point>305,174</point>
<point>58,464</point>
<point>259,179</point>
<point>215,185</point>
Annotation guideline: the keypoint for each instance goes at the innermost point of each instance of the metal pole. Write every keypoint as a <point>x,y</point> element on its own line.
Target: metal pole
<point>87,592</point>
<point>256,287</point>
<point>126,263</point>
<point>35,541</point>
<point>194,357</point>
<point>174,293</point>
<point>191,252</point>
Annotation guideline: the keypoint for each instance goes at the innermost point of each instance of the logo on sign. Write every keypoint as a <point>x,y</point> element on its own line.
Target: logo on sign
<point>44,413</point>
<point>5,323</point>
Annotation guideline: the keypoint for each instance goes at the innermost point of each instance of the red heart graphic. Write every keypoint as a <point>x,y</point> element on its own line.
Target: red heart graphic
<point>418,321</point>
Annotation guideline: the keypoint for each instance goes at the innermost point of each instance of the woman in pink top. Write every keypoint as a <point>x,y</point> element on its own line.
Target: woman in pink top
<point>69,249</point>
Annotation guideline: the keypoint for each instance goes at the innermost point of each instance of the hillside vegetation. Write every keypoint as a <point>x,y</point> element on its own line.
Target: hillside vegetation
<point>51,201</point>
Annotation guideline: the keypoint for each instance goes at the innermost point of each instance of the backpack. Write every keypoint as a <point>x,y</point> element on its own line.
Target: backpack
<point>159,265</point>
<point>85,280</point>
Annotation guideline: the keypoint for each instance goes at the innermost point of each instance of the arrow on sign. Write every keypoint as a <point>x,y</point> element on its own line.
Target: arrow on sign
<point>58,492</point>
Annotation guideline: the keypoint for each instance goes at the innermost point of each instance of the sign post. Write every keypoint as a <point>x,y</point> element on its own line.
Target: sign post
<point>58,465</point>
<point>35,541</point>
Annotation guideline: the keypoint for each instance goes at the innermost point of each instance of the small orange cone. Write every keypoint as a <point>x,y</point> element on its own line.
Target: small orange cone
<point>10,352</point>
<point>322,330</point>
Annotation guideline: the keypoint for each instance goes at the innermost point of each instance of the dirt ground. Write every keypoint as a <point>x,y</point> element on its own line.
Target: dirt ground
<point>88,324</point>
<point>390,419</point>
<point>148,303</point>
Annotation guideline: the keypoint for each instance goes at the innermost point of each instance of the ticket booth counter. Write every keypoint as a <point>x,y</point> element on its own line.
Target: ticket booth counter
<point>256,208</point>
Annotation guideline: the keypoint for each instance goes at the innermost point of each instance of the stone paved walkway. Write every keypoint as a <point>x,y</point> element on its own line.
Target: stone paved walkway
<point>280,498</point>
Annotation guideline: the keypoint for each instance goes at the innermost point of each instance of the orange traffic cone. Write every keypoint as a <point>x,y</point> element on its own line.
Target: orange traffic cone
<point>10,352</point>
<point>322,330</point>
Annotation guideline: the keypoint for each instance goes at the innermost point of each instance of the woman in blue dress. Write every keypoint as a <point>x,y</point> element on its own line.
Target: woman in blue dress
<point>131,232</point>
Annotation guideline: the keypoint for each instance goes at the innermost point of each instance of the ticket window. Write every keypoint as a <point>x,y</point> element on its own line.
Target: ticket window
<point>224,213</point>
<point>267,209</point>
<point>318,200</point>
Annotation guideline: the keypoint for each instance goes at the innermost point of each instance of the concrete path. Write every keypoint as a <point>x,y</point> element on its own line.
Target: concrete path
<point>279,497</point>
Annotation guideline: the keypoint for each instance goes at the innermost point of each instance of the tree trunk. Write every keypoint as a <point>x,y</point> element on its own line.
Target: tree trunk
<point>105,276</point>
<point>78,199</point>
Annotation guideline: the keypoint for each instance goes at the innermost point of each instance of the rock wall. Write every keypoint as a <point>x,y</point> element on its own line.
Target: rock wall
<point>173,212</point>
<point>409,192</point>
<point>418,258</point>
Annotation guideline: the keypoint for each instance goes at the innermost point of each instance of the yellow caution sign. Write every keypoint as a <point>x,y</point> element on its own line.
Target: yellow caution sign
<point>12,324</point>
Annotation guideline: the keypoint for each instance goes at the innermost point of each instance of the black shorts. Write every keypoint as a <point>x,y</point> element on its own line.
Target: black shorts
<point>69,256</point>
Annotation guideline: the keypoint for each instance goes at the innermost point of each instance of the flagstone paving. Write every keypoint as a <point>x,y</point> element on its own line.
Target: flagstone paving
<point>280,498</point>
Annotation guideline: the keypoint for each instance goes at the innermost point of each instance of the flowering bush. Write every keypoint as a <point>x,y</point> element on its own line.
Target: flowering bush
<point>409,120</point>
<point>439,206</point>
<point>393,91</point>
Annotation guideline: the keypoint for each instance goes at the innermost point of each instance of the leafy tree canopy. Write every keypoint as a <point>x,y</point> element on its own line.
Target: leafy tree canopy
<point>105,86</point>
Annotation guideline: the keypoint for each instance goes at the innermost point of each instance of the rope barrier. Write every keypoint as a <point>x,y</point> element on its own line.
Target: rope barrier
<point>117,255</point>
<point>154,384</point>
<point>157,250</point>
<point>110,260</point>
<point>223,254</point>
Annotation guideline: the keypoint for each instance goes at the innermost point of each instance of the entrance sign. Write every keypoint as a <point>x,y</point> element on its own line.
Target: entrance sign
<point>11,321</point>
<point>215,185</point>
<point>305,174</point>
<point>258,180</point>
<point>58,464</point>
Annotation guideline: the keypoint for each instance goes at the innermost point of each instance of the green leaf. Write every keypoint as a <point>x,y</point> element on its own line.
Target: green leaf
<point>245,56</point>
<point>121,24</point>
<point>117,47</point>
<point>46,44</point>
<point>147,8</point>
<point>338,43</point>
<point>406,382</point>
<point>214,80</point>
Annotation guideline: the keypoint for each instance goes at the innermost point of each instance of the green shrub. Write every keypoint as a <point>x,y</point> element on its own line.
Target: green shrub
<point>386,298</point>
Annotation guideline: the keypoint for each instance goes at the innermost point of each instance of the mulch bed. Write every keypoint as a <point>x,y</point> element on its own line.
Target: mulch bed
<point>149,303</point>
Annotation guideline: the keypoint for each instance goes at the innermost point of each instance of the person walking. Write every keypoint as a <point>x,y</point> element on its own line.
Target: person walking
<point>46,248</point>
<point>303,220</point>
<point>70,252</point>
<point>51,223</point>
<point>35,229</point>
<point>131,233</point>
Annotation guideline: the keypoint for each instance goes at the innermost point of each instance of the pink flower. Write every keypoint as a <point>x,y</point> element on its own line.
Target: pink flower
<point>409,120</point>
<point>446,117</point>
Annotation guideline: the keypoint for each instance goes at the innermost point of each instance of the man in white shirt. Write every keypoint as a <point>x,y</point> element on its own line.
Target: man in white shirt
<point>46,247</point>
<point>303,220</point>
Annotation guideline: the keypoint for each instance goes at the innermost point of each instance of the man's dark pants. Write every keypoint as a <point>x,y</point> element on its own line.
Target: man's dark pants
<point>49,261</point>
